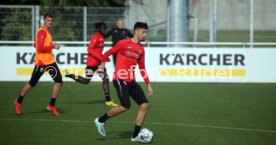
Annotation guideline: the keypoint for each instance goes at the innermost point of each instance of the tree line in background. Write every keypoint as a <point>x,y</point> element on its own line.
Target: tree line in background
<point>16,23</point>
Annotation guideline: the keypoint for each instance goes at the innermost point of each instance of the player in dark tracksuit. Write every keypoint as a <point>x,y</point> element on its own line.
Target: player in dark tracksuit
<point>118,33</point>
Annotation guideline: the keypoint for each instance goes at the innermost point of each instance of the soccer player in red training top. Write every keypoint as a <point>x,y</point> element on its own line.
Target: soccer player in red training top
<point>129,53</point>
<point>44,61</point>
<point>95,50</point>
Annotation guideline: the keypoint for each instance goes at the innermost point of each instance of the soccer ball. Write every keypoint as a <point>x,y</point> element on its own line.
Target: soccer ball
<point>145,135</point>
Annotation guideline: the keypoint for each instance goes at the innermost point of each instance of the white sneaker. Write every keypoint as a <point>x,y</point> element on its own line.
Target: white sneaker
<point>100,127</point>
<point>136,139</point>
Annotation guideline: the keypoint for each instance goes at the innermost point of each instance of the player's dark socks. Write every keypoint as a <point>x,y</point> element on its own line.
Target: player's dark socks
<point>106,89</point>
<point>79,79</point>
<point>20,99</point>
<point>107,97</point>
<point>68,75</point>
<point>136,131</point>
<point>103,118</point>
<point>53,101</point>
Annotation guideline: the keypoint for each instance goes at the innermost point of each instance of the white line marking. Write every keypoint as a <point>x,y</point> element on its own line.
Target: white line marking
<point>152,123</point>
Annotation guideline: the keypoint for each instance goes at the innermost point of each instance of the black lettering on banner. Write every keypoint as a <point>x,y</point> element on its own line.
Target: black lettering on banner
<point>20,58</point>
<point>164,59</point>
<point>178,59</point>
<point>191,59</point>
<point>239,59</point>
<point>213,59</point>
<point>58,58</point>
<point>227,59</point>
<point>74,58</point>
<point>200,59</point>
<point>33,58</point>
<point>83,58</point>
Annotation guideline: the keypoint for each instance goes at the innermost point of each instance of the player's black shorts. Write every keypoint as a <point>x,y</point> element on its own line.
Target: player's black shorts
<point>125,89</point>
<point>90,70</point>
<point>52,69</point>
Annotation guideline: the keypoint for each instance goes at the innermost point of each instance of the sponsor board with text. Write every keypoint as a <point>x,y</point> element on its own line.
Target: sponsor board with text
<point>163,64</point>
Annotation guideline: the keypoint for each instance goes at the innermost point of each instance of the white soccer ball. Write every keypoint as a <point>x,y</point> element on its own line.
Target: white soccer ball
<point>145,135</point>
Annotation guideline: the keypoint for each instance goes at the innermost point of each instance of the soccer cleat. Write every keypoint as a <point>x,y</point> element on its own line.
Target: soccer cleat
<point>136,139</point>
<point>53,109</point>
<point>17,107</point>
<point>110,104</point>
<point>100,127</point>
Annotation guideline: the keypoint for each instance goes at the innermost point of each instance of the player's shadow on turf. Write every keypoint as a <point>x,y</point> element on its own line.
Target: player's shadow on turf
<point>118,135</point>
<point>100,101</point>
<point>35,112</point>
<point>125,134</point>
<point>60,110</point>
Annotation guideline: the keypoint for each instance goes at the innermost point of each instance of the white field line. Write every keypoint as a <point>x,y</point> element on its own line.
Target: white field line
<point>152,123</point>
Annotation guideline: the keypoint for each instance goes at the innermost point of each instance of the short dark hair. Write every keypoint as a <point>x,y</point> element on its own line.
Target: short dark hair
<point>141,25</point>
<point>120,19</point>
<point>98,25</point>
<point>48,15</point>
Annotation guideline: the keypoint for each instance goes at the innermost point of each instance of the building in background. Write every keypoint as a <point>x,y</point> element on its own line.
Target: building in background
<point>232,15</point>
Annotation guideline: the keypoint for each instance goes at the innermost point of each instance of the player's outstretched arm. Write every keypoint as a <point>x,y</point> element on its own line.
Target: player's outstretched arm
<point>109,52</point>
<point>41,35</point>
<point>108,60</point>
<point>109,33</point>
<point>57,46</point>
<point>101,67</point>
<point>150,90</point>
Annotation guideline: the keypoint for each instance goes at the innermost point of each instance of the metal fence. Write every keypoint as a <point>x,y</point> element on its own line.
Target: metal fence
<point>17,23</point>
<point>233,19</point>
<point>20,23</point>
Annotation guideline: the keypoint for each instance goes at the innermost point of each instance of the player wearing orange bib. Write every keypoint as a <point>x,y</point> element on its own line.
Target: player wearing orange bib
<point>44,61</point>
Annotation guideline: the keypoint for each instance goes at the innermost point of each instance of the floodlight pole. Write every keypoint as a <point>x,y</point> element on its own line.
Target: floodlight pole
<point>252,9</point>
<point>84,24</point>
<point>37,20</point>
<point>33,23</point>
<point>177,25</point>
<point>213,21</point>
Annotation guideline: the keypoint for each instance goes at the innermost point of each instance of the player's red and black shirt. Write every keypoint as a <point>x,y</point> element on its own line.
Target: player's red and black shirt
<point>95,49</point>
<point>129,54</point>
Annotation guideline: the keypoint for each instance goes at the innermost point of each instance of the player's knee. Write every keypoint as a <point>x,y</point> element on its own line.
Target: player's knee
<point>144,106</point>
<point>28,85</point>
<point>105,80</point>
<point>126,106</point>
<point>86,81</point>
<point>58,84</point>
<point>124,109</point>
<point>32,83</point>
